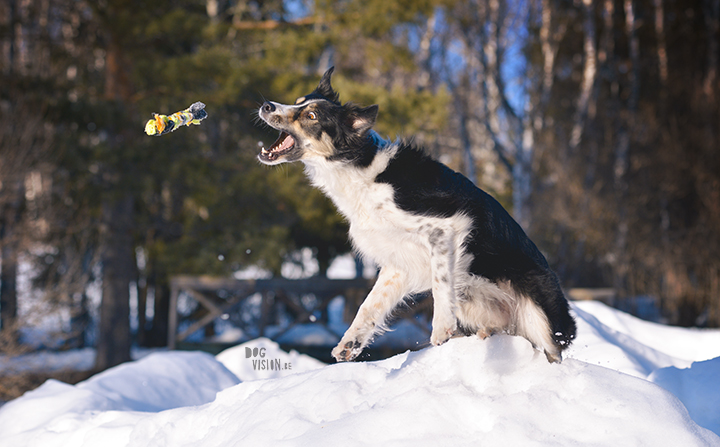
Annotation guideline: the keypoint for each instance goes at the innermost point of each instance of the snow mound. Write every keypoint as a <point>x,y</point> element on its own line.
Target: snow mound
<point>689,344</point>
<point>697,387</point>
<point>63,415</point>
<point>623,382</point>
<point>498,391</point>
<point>494,392</point>
<point>604,345</point>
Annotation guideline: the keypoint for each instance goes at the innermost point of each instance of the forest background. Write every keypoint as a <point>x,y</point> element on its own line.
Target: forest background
<point>595,122</point>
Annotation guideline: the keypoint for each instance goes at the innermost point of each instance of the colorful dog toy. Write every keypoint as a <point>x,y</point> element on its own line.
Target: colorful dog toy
<point>162,124</point>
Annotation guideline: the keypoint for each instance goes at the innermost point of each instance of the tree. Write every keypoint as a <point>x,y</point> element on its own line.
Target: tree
<point>24,141</point>
<point>622,197</point>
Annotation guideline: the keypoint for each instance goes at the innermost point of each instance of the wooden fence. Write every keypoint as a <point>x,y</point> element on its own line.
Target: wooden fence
<point>220,297</point>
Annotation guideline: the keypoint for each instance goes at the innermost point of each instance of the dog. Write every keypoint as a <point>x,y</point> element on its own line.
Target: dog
<point>426,226</point>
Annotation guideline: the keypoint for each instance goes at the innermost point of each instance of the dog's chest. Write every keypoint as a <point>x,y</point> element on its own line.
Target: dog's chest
<point>366,204</point>
<point>383,232</point>
<point>379,229</point>
<point>369,207</point>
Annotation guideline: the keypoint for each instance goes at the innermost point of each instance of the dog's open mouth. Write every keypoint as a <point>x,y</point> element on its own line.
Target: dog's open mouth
<point>284,144</point>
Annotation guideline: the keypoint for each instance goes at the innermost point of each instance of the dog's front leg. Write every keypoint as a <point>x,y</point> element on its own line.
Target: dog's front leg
<point>388,291</point>
<point>442,263</point>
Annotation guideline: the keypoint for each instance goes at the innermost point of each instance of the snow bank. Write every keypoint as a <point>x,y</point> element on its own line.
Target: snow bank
<point>494,392</point>
<point>690,344</point>
<point>698,387</point>
<point>63,415</point>
<point>603,345</point>
<point>616,340</point>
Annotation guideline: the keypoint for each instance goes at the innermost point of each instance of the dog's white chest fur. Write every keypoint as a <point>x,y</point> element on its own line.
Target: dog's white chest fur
<point>380,230</point>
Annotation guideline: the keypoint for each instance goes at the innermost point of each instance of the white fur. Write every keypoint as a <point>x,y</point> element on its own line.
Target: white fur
<point>379,230</point>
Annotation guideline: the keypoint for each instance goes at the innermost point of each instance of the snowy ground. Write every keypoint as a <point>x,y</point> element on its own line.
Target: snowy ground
<point>624,382</point>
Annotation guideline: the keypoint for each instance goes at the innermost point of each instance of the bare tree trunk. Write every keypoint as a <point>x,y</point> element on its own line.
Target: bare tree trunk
<point>113,341</point>
<point>607,48</point>
<point>424,53</point>
<point>117,81</point>
<point>13,194</point>
<point>142,293</point>
<point>548,51</point>
<point>11,42</point>
<point>522,175</point>
<point>661,45</point>
<point>8,281</point>
<point>667,262</point>
<point>630,27</point>
<point>490,69</point>
<point>622,162</point>
<point>158,334</point>
<point>468,158</point>
<point>117,253</point>
<point>712,20</point>
<point>589,72</point>
<point>549,44</point>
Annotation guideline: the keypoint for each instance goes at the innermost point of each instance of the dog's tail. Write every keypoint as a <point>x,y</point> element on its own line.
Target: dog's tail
<point>543,315</point>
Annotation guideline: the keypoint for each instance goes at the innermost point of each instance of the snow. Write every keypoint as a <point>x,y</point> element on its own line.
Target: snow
<point>681,343</point>
<point>697,387</point>
<point>623,382</point>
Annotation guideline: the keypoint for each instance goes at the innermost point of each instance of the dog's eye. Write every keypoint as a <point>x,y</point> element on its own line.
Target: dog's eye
<point>312,115</point>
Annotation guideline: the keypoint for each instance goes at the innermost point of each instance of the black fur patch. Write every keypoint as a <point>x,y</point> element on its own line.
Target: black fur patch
<point>501,249</point>
<point>352,141</point>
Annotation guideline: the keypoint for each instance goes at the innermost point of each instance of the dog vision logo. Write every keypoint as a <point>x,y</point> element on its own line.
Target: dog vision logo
<point>260,363</point>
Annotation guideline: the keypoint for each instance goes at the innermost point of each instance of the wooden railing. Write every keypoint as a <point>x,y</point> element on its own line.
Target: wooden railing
<point>219,297</point>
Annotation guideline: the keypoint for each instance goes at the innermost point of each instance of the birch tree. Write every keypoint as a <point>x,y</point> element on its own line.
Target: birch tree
<point>588,73</point>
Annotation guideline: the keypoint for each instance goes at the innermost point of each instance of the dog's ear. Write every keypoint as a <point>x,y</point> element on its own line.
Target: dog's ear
<point>363,119</point>
<point>325,89</point>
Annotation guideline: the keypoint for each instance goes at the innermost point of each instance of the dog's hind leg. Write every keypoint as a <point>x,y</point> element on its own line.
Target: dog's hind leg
<point>442,263</point>
<point>388,292</point>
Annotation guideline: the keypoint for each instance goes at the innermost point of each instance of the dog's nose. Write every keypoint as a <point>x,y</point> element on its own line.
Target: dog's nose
<point>268,107</point>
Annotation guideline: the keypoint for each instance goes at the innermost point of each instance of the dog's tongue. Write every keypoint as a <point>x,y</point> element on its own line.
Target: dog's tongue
<point>285,141</point>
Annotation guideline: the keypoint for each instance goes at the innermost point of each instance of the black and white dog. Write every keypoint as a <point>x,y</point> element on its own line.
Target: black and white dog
<point>426,226</point>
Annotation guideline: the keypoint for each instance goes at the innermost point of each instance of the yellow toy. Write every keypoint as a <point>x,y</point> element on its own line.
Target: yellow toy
<point>162,124</point>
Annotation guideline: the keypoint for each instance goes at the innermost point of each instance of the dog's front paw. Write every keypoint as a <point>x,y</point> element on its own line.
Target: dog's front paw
<point>443,327</point>
<point>441,335</point>
<point>346,351</point>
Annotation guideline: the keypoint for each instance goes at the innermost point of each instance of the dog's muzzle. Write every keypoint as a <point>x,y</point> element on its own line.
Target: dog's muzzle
<point>285,142</point>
